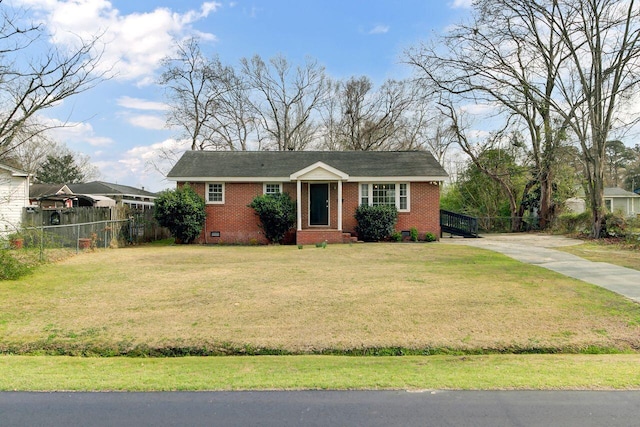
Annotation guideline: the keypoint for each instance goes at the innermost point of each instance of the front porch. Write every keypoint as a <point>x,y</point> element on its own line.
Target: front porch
<point>319,202</point>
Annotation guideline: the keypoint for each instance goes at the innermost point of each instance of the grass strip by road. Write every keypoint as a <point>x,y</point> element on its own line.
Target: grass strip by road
<point>491,372</point>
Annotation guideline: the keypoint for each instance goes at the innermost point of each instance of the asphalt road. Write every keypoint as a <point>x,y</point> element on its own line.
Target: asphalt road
<point>324,408</point>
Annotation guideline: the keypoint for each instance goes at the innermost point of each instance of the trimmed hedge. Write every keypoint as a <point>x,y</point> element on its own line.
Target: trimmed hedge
<point>182,211</point>
<point>277,213</point>
<point>375,223</point>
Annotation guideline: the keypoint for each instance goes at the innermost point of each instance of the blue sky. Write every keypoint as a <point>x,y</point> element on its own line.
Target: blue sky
<point>120,124</point>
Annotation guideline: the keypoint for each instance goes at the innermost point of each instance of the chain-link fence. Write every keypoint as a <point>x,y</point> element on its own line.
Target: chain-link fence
<point>66,225</point>
<point>507,224</point>
<point>92,235</point>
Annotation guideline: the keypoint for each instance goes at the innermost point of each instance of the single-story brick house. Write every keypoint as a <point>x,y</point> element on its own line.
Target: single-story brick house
<point>327,186</point>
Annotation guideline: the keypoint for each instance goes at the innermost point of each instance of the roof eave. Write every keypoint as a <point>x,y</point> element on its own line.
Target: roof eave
<point>406,178</point>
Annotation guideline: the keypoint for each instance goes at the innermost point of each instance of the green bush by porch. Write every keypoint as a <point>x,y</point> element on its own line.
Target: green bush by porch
<point>277,214</point>
<point>375,223</point>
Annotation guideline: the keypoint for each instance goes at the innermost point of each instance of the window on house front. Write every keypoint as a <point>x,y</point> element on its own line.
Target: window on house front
<point>364,194</point>
<point>608,204</point>
<point>383,194</point>
<point>270,188</point>
<point>215,193</point>
<point>403,204</point>
<point>389,194</point>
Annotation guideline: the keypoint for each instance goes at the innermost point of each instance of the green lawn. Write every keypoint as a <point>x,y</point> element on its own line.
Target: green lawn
<point>490,372</point>
<point>364,299</point>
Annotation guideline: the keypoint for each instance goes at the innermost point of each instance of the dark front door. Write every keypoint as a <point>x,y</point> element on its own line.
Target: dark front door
<point>318,204</point>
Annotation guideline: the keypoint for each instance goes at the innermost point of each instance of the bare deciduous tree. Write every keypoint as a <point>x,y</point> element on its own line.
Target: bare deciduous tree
<point>31,82</point>
<point>603,41</point>
<point>502,176</point>
<point>194,86</point>
<point>32,154</point>
<point>285,99</point>
<point>509,56</point>
<point>552,66</point>
<point>358,117</point>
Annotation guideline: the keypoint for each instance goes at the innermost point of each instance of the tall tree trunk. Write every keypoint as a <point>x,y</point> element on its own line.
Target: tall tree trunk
<point>545,216</point>
<point>596,196</point>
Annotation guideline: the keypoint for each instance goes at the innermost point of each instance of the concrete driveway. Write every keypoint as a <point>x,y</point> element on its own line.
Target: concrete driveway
<point>538,249</point>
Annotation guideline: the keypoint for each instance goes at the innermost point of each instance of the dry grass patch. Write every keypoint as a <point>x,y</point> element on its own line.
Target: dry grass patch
<point>342,298</point>
<point>624,256</point>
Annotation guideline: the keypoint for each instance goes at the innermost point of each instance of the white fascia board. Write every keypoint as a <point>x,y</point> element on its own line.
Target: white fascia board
<point>397,178</point>
<point>231,179</point>
<point>289,179</point>
<point>319,165</point>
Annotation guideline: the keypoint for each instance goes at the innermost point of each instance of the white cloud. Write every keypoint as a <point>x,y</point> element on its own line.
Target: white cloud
<point>122,173</point>
<point>74,132</point>
<point>158,158</point>
<point>478,109</point>
<point>143,166</point>
<point>134,44</point>
<point>461,4</point>
<point>141,104</point>
<point>147,121</point>
<point>380,29</point>
<point>157,150</point>
<point>208,7</point>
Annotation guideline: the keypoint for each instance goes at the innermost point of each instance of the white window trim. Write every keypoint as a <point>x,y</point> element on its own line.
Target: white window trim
<point>397,191</point>
<point>264,186</point>
<point>209,202</point>
<point>610,200</point>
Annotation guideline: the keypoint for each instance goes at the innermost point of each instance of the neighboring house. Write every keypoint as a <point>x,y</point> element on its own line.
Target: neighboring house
<point>327,186</point>
<point>54,196</point>
<point>14,197</point>
<point>96,194</point>
<point>124,195</point>
<point>619,200</point>
<point>615,200</point>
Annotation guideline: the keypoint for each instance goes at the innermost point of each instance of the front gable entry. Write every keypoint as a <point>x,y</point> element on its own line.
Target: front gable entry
<point>319,198</point>
<point>319,172</point>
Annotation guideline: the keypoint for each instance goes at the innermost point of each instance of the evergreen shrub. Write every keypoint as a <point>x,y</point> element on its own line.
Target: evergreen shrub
<point>375,223</point>
<point>277,213</point>
<point>182,211</point>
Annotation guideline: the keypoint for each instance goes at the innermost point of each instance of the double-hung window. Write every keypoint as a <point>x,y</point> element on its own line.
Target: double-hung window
<point>389,194</point>
<point>403,197</point>
<point>272,188</point>
<point>215,192</point>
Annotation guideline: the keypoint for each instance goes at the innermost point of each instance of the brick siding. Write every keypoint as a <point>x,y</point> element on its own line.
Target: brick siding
<point>236,223</point>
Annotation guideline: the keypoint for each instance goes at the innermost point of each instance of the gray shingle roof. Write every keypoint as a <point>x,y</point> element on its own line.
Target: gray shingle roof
<point>618,192</point>
<point>107,188</point>
<point>238,164</point>
<point>39,190</point>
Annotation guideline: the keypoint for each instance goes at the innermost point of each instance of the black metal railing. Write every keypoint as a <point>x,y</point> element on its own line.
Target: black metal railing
<point>458,224</point>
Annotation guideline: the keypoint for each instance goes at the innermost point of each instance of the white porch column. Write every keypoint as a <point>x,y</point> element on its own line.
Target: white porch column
<point>340,204</point>
<point>299,204</point>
